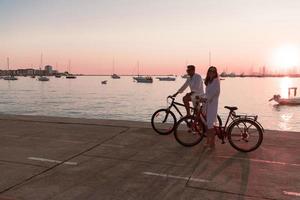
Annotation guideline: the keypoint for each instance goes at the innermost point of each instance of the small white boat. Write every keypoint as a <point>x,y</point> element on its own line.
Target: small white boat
<point>43,78</point>
<point>104,82</point>
<point>291,100</point>
<point>166,78</point>
<point>115,76</point>
<point>143,79</point>
<point>185,76</point>
<point>10,78</point>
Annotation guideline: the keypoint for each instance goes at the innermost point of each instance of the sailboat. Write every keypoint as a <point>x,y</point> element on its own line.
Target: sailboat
<point>11,77</point>
<point>142,79</point>
<point>114,76</point>
<point>57,75</point>
<point>70,76</point>
<point>42,78</point>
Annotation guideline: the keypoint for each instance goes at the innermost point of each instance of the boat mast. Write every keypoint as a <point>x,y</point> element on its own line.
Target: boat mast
<point>69,66</point>
<point>7,60</point>
<point>41,64</point>
<point>138,66</point>
<point>113,65</point>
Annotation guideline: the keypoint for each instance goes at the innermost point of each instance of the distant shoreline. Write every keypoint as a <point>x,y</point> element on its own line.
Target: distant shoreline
<point>227,76</point>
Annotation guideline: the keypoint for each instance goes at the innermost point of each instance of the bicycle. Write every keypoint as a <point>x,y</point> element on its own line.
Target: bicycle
<point>163,121</point>
<point>190,130</point>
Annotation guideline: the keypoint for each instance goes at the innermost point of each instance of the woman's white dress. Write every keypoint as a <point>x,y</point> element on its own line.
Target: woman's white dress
<point>212,93</point>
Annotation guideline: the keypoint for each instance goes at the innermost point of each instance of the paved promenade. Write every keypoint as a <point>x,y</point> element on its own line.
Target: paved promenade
<point>61,158</point>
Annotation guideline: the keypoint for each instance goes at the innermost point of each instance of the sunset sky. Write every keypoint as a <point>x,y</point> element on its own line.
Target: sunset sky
<point>163,35</point>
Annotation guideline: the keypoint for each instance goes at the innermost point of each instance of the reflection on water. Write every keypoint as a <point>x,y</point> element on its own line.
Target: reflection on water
<point>124,99</point>
<point>285,118</point>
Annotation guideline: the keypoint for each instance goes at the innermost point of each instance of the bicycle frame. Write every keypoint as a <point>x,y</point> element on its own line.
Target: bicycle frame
<point>173,104</point>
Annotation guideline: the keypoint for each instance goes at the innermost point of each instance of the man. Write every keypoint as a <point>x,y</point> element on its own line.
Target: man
<point>194,81</point>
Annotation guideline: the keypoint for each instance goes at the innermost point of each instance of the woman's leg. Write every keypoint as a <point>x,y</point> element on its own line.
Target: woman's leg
<point>210,141</point>
<point>211,133</point>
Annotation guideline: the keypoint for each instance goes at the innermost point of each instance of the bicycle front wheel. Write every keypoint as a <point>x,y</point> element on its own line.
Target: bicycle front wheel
<point>163,121</point>
<point>189,131</point>
<point>245,135</point>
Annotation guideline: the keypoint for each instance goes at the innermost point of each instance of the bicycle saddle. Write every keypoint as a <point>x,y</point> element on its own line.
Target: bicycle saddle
<point>231,108</point>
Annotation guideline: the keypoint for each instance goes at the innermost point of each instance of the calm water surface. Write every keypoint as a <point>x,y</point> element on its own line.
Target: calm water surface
<point>124,99</point>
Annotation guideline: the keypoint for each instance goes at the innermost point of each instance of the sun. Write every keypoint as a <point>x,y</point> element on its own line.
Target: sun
<point>286,57</point>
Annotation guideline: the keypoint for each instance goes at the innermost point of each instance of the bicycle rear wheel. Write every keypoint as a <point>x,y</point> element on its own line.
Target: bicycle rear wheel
<point>245,135</point>
<point>163,121</point>
<point>189,131</point>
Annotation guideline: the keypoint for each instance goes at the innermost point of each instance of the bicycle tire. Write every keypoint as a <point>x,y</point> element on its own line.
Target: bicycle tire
<point>197,140</point>
<point>257,127</point>
<point>160,131</point>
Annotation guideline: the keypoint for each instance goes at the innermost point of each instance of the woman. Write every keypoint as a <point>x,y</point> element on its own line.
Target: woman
<point>212,92</point>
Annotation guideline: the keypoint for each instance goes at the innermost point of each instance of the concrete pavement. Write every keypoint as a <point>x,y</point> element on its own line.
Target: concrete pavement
<point>63,158</point>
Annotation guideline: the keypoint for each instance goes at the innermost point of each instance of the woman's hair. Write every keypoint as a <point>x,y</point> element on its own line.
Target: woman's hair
<point>208,79</point>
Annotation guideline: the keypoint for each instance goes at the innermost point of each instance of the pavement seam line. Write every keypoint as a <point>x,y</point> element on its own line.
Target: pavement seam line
<point>133,160</point>
<point>243,195</point>
<point>59,164</point>
<point>66,123</point>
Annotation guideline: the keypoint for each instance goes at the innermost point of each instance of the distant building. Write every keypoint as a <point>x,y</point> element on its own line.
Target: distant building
<point>49,69</point>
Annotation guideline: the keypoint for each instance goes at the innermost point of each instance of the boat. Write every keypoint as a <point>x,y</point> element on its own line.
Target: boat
<point>166,78</point>
<point>70,76</point>
<point>185,76</point>
<point>291,100</point>
<point>143,79</point>
<point>57,76</point>
<point>33,76</point>
<point>115,76</point>
<point>11,77</point>
<point>43,78</point>
<point>104,82</point>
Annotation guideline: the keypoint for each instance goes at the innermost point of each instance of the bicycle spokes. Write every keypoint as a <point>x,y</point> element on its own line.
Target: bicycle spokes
<point>245,135</point>
<point>163,121</point>
<point>189,131</point>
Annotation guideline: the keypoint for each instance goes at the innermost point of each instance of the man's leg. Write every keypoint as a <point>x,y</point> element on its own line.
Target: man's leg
<point>186,101</point>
